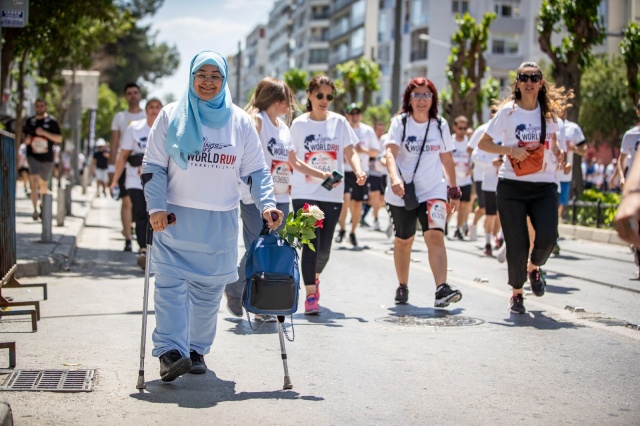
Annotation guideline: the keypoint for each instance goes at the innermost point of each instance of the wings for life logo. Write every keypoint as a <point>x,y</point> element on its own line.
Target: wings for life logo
<point>527,135</point>
<point>320,143</point>
<point>211,159</point>
<point>276,148</point>
<point>413,145</point>
<point>142,143</point>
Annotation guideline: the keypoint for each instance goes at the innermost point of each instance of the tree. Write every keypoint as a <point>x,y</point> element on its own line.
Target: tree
<point>297,80</point>
<point>359,77</point>
<point>580,22</point>
<point>381,113</point>
<point>489,92</point>
<point>610,112</point>
<point>467,65</point>
<point>630,50</point>
<point>108,105</point>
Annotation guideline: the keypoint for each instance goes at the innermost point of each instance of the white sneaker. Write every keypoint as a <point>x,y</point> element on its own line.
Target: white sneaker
<point>473,233</point>
<point>376,225</point>
<point>502,253</point>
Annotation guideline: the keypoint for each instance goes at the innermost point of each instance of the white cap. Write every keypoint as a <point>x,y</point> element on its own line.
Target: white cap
<point>101,142</point>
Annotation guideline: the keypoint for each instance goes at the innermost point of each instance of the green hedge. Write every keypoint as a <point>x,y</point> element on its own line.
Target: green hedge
<point>586,216</point>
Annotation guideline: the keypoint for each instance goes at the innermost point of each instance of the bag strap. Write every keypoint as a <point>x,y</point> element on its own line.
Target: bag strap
<point>424,141</point>
<point>543,125</point>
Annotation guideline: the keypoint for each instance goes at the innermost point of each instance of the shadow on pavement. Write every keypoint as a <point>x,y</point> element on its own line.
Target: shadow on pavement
<point>204,391</point>
<point>537,320</point>
<point>326,317</point>
<point>416,311</point>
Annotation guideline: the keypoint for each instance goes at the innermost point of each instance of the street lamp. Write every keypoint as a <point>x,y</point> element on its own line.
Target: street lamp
<point>428,38</point>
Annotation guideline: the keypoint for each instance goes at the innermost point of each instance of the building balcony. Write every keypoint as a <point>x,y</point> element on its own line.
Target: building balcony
<point>340,4</point>
<point>508,25</point>
<point>419,55</point>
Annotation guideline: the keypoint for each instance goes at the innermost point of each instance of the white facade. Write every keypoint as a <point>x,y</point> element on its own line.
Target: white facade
<point>279,38</point>
<point>254,62</point>
<point>310,35</point>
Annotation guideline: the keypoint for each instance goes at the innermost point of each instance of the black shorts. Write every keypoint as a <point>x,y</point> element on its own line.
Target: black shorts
<point>375,183</point>
<point>404,221</point>
<point>491,203</point>
<point>123,188</point>
<point>358,193</point>
<point>466,193</point>
<point>480,194</point>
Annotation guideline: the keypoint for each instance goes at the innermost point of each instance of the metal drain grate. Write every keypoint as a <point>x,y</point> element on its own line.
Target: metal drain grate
<point>50,380</point>
<point>432,321</point>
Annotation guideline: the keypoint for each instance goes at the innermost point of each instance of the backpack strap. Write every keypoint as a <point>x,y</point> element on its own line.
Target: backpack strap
<point>404,126</point>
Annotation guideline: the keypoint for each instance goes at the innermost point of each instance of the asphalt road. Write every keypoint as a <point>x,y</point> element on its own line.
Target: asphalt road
<point>363,360</point>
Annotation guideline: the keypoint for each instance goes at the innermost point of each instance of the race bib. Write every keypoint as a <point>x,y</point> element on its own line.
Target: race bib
<point>281,174</point>
<point>436,214</point>
<point>39,145</point>
<point>321,160</point>
<point>462,168</point>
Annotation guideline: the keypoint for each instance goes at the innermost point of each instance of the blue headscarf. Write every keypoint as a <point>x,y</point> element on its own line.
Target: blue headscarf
<point>184,135</point>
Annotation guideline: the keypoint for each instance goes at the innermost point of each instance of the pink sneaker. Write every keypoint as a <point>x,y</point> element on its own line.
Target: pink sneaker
<point>311,306</point>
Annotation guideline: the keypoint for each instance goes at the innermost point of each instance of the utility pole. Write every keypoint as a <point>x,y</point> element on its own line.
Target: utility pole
<point>397,57</point>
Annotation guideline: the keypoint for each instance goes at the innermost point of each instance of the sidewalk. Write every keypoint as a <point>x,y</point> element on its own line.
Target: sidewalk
<point>36,258</point>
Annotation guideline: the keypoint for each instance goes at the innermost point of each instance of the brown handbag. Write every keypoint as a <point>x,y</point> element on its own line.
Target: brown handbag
<point>535,161</point>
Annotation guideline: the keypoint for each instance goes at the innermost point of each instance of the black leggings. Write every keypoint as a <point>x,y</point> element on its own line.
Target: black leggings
<point>313,262</point>
<point>516,201</point>
<point>139,215</point>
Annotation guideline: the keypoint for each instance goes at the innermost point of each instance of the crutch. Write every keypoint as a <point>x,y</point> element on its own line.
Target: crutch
<point>283,352</point>
<point>140,385</point>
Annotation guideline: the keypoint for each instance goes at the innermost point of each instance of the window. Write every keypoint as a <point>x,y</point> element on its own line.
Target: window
<point>420,13</point>
<point>507,8</point>
<point>318,56</point>
<point>357,42</point>
<point>460,6</point>
<point>505,44</point>
<point>358,10</point>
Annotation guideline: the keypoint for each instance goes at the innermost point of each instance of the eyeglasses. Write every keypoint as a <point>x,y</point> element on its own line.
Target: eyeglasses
<point>525,77</point>
<point>464,129</point>
<point>320,96</point>
<point>204,77</point>
<point>418,96</point>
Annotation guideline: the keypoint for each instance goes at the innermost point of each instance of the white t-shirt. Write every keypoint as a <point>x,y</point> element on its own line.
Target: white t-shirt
<point>22,156</point>
<point>210,181</point>
<point>321,145</point>
<point>276,144</point>
<point>123,119</point>
<point>484,161</point>
<point>380,170</point>
<point>135,139</point>
<point>561,134</point>
<point>573,133</point>
<point>429,179</point>
<point>478,168</point>
<point>629,146</point>
<point>462,161</point>
<point>368,140</point>
<point>521,128</point>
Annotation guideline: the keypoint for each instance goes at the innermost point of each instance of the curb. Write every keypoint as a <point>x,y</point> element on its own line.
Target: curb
<point>6,416</point>
<point>577,232</point>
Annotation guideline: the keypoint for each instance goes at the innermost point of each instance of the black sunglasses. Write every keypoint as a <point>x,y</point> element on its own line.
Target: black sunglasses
<point>525,77</point>
<point>320,96</point>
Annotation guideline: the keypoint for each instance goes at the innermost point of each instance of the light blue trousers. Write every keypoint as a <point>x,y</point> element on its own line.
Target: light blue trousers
<point>186,315</point>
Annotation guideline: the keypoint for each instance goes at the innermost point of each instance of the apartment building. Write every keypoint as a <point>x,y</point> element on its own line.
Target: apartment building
<point>279,35</point>
<point>254,62</point>
<point>310,35</point>
<point>353,31</point>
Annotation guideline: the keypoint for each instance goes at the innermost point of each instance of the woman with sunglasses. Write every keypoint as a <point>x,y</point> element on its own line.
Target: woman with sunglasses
<point>527,187</point>
<point>198,150</point>
<point>322,141</point>
<point>419,155</point>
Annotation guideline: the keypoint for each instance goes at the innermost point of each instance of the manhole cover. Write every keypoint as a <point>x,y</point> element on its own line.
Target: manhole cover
<point>429,321</point>
<point>50,380</point>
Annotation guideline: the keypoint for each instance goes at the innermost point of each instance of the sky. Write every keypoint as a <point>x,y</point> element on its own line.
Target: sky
<point>196,25</point>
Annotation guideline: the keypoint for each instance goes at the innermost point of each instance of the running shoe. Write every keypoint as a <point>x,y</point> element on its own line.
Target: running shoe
<point>473,232</point>
<point>465,229</point>
<point>311,306</point>
<point>376,225</point>
<point>516,304</point>
<point>402,294</point>
<point>340,236</point>
<point>502,254</point>
<point>265,318</point>
<point>446,295</point>
<point>537,282</point>
<point>352,239</point>
<point>487,250</point>
<point>127,245</point>
<point>498,242</point>
<point>142,259</point>
<point>458,234</point>
<point>364,223</point>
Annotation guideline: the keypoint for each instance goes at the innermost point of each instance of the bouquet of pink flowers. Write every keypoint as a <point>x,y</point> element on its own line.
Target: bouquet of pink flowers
<point>300,229</point>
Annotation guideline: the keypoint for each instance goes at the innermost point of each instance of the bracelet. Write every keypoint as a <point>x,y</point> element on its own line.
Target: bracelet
<point>454,193</point>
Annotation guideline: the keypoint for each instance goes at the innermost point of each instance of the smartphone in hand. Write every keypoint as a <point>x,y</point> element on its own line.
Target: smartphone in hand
<point>335,177</point>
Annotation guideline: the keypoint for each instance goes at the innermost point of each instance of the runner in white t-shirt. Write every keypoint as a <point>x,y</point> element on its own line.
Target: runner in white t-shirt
<point>478,172</point>
<point>322,140</point>
<point>354,194</point>
<point>271,100</point>
<point>518,123</point>
<point>132,148</point>
<point>119,125</point>
<point>418,154</point>
<point>462,160</point>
